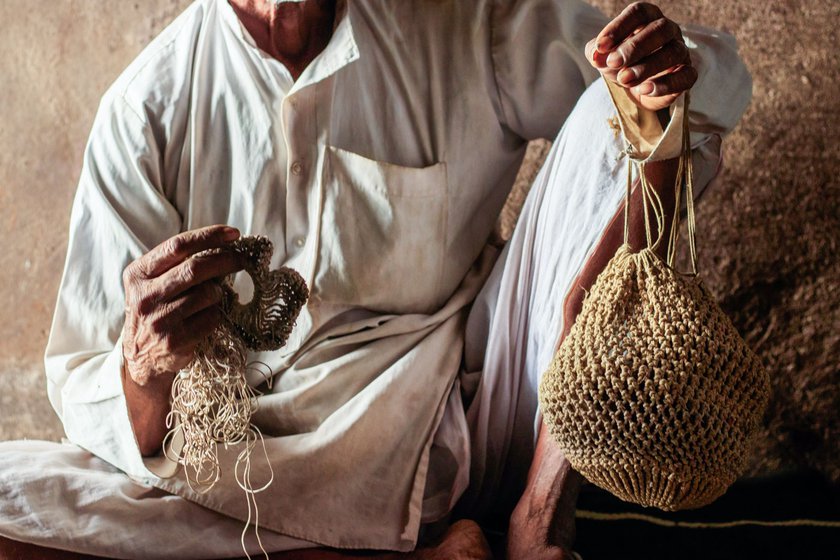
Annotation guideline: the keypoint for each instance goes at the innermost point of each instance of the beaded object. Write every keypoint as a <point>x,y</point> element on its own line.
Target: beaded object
<point>653,395</point>
<point>266,322</point>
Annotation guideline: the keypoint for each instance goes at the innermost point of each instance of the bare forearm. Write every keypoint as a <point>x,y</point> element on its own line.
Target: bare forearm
<point>148,406</point>
<point>552,492</point>
<point>172,294</point>
<point>661,175</point>
<point>553,485</point>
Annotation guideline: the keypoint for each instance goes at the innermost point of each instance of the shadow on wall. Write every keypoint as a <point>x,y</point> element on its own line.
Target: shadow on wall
<point>768,231</point>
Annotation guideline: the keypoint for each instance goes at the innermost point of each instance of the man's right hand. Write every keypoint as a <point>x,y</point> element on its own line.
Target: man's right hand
<point>171,301</point>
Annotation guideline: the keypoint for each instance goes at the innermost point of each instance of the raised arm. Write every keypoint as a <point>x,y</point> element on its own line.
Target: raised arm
<point>543,61</point>
<point>649,63</point>
<point>542,526</point>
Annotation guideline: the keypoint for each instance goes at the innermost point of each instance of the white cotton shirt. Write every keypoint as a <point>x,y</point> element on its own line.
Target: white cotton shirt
<point>379,175</point>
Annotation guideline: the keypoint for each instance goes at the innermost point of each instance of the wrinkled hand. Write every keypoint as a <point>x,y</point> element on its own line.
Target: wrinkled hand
<point>644,52</point>
<point>542,525</point>
<point>171,299</point>
<point>526,538</point>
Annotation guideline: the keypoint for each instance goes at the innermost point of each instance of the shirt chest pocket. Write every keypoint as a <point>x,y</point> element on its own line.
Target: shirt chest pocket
<point>382,236</point>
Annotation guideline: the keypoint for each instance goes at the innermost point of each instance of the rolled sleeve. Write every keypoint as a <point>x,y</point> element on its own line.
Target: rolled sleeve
<point>119,212</point>
<point>541,69</point>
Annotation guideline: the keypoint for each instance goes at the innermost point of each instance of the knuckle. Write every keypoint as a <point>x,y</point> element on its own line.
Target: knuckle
<point>128,276</point>
<point>691,76</point>
<point>661,26</point>
<point>671,27</point>
<point>208,233</point>
<point>682,51</point>
<point>175,245</point>
<point>134,271</point>
<point>187,271</point>
<point>651,10</point>
<point>645,9</point>
<point>629,48</point>
<point>673,54</point>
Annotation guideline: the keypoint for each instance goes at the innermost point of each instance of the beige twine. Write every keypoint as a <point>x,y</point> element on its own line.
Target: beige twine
<point>653,395</point>
<point>212,403</point>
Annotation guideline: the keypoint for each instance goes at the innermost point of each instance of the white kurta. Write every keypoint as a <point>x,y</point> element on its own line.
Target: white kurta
<point>379,175</point>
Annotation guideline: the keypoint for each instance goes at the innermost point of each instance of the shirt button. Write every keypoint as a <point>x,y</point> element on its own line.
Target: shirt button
<point>300,241</point>
<point>297,168</point>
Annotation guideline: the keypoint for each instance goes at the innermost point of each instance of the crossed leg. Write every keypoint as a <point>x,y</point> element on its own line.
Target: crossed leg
<point>463,541</point>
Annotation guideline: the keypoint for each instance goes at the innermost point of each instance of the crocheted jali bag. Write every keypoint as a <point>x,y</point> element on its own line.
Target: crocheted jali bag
<point>653,395</point>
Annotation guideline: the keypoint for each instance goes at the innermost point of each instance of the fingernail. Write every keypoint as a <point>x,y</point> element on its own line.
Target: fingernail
<point>615,60</point>
<point>229,233</point>
<point>627,75</point>
<point>594,55</point>
<point>645,88</point>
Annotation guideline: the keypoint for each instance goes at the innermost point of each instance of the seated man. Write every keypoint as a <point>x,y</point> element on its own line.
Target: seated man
<point>374,143</point>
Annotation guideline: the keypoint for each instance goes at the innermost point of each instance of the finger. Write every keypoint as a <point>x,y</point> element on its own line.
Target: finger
<point>177,249</point>
<point>653,36</point>
<point>668,57</point>
<point>595,58</point>
<point>196,270</point>
<point>171,315</point>
<point>631,18</point>
<point>599,61</point>
<point>671,84</point>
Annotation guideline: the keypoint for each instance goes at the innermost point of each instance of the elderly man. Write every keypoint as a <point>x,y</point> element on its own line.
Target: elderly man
<point>375,143</point>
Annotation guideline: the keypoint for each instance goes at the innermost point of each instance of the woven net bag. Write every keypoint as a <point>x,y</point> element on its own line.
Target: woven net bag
<point>653,395</point>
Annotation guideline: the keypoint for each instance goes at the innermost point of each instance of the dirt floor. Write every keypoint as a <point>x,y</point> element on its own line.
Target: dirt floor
<point>769,231</point>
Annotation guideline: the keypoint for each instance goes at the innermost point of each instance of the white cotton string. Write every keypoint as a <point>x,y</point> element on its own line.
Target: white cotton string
<point>652,202</point>
<point>685,177</point>
<point>212,402</point>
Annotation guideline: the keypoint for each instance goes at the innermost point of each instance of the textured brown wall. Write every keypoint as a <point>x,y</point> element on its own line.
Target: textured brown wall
<point>769,231</point>
<point>58,59</point>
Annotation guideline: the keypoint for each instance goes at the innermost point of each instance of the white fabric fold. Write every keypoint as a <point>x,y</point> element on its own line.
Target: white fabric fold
<point>379,175</point>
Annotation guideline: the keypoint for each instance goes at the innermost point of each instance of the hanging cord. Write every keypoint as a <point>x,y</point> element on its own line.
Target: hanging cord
<point>685,176</point>
<point>652,202</point>
<point>212,403</point>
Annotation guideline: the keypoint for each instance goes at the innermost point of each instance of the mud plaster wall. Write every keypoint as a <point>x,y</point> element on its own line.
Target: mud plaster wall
<point>769,230</point>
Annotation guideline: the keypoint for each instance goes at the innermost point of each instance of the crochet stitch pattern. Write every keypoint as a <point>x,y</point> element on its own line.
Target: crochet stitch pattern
<point>212,403</point>
<point>653,395</point>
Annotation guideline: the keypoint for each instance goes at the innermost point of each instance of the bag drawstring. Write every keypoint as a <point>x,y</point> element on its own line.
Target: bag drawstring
<point>652,202</point>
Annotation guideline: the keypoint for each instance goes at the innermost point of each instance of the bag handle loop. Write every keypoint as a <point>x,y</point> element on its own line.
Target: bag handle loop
<point>652,203</point>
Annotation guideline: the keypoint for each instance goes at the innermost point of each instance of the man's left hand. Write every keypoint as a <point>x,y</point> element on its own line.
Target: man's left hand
<point>644,52</point>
